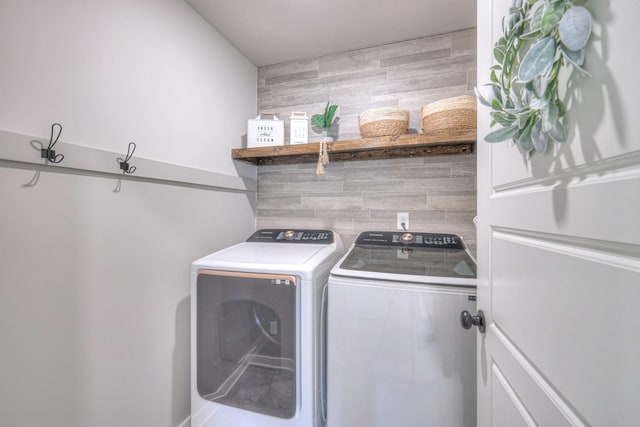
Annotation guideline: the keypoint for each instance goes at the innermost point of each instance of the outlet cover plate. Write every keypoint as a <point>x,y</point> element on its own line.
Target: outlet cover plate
<point>403,217</point>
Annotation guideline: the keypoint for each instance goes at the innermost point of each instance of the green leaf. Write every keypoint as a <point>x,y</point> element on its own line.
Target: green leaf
<point>329,115</point>
<point>522,121</point>
<point>518,111</point>
<point>575,28</point>
<point>539,57</point>
<point>583,71</point>
<point>536,16</point>
<point>511,20</point>
<point>524,137</point>
<point>481,96</point>
<point>558,133</point>
<point>525,142</point>
<point>502,134</point>
<point>493,77</point>
<point>539,138</point>
<point>561,108</point>
<point>574,57</point>
<point>551,17</point>
<point>532,121</point>
<point>317,120</point>
<point>320,122</point>
<point>508,105</point>
<point>531,35</point>
<point>517,28</point>
<point>539,85</point>
<point>550,115</point>
<point>497,92</point>
<point>538,103</point>
<point>498,54</point>
<point>502,118</point>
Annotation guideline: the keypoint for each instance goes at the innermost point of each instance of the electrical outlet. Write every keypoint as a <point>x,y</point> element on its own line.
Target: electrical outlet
<point>403,218</point>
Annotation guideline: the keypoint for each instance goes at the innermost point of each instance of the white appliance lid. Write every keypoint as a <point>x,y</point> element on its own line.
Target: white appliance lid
<point>266,253</point>
<point>278,251</point>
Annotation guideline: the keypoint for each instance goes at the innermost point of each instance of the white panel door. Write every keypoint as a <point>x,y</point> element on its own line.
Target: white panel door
<point>559,246</point>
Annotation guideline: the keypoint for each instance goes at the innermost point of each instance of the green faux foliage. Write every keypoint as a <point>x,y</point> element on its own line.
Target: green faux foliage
<point>539,35</point>
<point>322,122</point>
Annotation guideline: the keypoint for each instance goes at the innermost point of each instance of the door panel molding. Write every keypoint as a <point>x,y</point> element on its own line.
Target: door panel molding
<point>545,405</point>
<point>509,394</point>
<point>613,254</point>
<point>592,209</point>
<point>604,169</point>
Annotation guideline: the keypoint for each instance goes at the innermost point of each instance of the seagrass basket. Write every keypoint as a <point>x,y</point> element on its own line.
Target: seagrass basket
<point>450,117</point>
<point>383,122</point>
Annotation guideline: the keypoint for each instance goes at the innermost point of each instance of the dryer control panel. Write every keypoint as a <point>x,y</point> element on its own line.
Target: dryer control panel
<point>292,236</point>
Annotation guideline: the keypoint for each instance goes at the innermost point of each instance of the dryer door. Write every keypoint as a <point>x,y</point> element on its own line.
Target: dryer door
<point>246,341</point>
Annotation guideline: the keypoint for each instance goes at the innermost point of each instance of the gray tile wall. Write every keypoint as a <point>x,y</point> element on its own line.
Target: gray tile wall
<point>438,192</point>
<point>407,75</point>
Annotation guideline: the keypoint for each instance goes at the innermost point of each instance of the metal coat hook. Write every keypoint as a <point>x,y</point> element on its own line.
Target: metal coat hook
<point>124,165</point>
<point>49,153</point>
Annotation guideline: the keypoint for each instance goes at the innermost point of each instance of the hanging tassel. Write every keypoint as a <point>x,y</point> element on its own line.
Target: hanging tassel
<point>320,168</point>
<point>323,158</point>
<point>325,154</point>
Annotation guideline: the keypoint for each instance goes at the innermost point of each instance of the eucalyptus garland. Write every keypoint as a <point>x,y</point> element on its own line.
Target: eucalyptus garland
<point>539,36</point>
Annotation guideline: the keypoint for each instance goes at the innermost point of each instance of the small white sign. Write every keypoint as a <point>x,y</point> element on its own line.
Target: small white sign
<point>265,132</point>
<point>298,128</point>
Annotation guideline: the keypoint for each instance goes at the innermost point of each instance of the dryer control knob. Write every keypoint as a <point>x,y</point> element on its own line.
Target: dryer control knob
<point>289,234</point>
<point>407,237</point>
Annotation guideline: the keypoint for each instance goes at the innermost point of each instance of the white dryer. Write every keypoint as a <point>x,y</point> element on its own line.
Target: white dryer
<point>257,330</point>
<point>397,354</point>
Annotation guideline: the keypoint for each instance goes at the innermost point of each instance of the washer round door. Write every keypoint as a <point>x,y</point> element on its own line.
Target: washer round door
<point>246,341</point>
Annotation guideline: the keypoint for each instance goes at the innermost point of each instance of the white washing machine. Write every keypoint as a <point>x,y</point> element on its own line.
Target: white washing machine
<point>397,354</point>
<point>257,330</point>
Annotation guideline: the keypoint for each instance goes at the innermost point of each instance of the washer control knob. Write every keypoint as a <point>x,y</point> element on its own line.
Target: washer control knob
<point>289,234</point>
<point>407,238</point>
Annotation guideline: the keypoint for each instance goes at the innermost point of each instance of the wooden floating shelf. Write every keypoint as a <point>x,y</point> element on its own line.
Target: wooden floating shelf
<point>410,145</point>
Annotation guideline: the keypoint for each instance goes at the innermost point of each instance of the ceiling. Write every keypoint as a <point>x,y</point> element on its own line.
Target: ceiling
<point>273,31</point>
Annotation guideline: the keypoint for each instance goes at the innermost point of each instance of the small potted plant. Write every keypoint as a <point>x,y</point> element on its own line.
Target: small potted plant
<point>324,123</point>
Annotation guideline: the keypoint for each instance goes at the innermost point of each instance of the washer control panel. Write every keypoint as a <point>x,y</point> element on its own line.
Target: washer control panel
<point>292,236</point>
<point>423,240</point>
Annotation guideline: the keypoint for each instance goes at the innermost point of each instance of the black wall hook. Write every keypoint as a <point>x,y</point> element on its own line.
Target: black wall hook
<point>49,153</point>
<point>124,165</point>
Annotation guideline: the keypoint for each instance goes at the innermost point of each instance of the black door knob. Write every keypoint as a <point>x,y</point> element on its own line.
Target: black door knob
<point>467,320</point>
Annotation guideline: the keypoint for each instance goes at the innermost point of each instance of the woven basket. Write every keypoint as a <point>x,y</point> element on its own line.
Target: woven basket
<point>383,122</point>
<point>450,117</point>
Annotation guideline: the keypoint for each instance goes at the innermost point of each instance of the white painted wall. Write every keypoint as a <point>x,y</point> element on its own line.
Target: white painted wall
<point>94,284</point>
<point>94,296</point>
<point>149,71</point>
